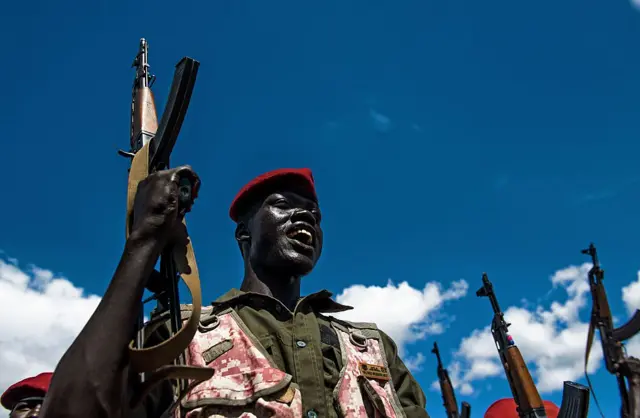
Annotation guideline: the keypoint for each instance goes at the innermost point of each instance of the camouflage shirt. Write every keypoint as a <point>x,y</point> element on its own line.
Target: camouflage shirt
<point>316,369</point>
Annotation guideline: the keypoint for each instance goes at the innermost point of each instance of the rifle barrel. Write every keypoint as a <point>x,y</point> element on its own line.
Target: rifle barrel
<point>435,351</point>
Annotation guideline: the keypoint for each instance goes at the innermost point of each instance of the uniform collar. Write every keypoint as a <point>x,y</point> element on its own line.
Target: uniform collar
<point>320,302</point>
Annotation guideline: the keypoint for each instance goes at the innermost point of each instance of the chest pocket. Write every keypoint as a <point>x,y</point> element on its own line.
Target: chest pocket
<point>365,388</point>
<point>270,344</point>
<point>246,382</point>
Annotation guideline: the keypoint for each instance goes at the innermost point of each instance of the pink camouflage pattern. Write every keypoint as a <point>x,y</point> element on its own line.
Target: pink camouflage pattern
<point>261,409</point>
<point>348,392</point>
<point>241,374</point>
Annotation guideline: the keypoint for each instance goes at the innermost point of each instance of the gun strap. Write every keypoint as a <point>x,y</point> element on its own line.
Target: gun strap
<point>590,335</point>
<point>160,357</point>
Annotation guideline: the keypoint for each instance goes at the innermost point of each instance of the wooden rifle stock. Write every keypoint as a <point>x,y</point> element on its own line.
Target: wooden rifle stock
<point>525,391</point>
<point>448,398</point>
<point>144,119</point>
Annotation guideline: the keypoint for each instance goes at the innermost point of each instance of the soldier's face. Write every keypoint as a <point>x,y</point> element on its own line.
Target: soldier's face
<point>27,408</point>
<point>286,237</point>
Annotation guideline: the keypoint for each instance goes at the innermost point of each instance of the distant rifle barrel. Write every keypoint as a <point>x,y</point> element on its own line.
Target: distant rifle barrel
<point>446,388</point>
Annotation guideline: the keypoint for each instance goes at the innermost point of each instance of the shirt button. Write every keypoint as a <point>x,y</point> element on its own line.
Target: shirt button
<point>312,414</point>
<point>302,344</point>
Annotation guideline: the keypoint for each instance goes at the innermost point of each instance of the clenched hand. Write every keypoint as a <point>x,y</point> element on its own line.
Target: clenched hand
<point>160,204</point>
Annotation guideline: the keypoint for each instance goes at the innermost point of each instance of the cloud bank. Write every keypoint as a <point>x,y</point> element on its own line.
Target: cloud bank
<point>409,314</point>
<point>40,315</point>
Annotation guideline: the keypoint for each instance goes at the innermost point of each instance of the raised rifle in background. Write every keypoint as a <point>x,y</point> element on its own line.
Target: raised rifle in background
<point>625,369</point>
<point>446,387</point>
<point>575,397</point>
<point>151,146</point>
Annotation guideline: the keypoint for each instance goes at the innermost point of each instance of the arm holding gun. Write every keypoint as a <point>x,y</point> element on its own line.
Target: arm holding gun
<point>100,374</point>
<point>575,398</point>
<point>446,387</point>
<point>625,369</point>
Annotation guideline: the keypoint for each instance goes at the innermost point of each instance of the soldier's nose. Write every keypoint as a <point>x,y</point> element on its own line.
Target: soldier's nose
<point>303,215</point>
<point>34,413</point>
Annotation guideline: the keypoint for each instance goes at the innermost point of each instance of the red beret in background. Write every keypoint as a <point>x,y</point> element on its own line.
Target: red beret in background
<point>31,386</point>
<point>300,178</point>
<point>506,408</point>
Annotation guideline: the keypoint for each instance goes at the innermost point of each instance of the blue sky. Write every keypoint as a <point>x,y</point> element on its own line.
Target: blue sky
<point>476,137</point>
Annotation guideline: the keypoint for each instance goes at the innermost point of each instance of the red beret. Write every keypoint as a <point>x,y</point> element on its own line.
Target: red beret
<point>31,386</point>
<point>506,408</point>
<point>300,178</point>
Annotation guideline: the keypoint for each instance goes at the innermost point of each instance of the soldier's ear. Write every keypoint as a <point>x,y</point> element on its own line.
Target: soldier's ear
<point>242,233</point>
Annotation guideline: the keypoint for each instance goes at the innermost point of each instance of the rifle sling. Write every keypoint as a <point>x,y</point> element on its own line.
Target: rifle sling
<point>160,357</point>
<point>590,335</point>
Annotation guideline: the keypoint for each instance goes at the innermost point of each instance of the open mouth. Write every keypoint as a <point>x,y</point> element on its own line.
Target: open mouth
<point>302,234</point>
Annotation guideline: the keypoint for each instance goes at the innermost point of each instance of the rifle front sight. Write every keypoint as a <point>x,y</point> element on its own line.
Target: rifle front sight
<point>591,251</point>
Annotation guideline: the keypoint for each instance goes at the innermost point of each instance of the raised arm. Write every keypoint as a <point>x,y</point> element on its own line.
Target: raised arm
<point>93,378</point>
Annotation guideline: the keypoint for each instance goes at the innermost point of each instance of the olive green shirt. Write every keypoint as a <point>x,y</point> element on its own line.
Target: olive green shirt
<point>303,344</point>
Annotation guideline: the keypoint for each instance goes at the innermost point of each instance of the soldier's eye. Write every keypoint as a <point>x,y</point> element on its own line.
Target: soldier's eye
<point>282,204</point>
<point>28,404</point>
<point>23,406</point>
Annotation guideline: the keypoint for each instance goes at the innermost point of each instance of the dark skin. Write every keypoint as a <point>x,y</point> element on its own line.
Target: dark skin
<point>27,407</point>
<point>274,264</point>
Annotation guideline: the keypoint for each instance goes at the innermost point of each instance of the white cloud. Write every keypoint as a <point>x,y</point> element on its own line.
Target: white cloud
<point>636,4</point>
<point>414,363</point>
<point>631,299</point>
<point>409,314</point>
<point>455,374</point>
<point>40,315</point>
<point>631,294</point>
<point>381,123</point>
<point>552,340</point>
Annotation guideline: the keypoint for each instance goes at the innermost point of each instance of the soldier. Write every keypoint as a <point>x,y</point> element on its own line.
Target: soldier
<point>273,352</point>
<point>25,397</point>
<point>506,408</point>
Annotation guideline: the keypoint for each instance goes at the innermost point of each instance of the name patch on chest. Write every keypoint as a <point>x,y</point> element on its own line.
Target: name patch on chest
<point>216,351</point>
<point>373,371</point>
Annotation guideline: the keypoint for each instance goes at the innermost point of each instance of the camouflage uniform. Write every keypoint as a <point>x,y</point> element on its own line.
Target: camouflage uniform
<point>306,346</point>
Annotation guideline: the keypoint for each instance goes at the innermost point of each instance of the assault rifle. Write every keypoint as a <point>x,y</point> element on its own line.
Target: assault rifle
<point>151,146</point>
<point>446,387</point>
<point>575,397</point>
<point>625,369</point>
